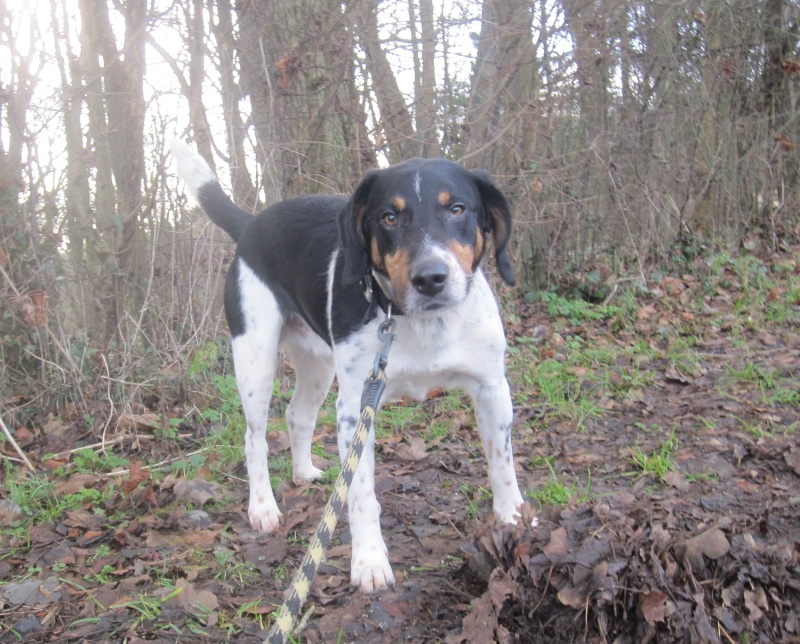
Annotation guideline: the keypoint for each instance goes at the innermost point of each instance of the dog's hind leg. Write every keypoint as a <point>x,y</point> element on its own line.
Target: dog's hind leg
<point>312,360</point>
<point>255,355</point>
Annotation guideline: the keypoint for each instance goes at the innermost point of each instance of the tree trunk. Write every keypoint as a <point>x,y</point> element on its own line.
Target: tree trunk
<point>426,86</point>
<point>299,78</point>
<point>396,125</point>
<point>244,191</point>
<point>115,91</point>
<point>503,89</point>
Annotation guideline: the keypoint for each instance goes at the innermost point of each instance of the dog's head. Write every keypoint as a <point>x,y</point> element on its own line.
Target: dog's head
<point>422,227</point>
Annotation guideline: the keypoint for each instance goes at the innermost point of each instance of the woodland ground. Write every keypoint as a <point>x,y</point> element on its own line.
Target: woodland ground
<point>656,435</point>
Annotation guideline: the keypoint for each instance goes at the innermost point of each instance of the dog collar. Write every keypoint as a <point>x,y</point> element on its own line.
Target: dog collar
<point>375,294</point>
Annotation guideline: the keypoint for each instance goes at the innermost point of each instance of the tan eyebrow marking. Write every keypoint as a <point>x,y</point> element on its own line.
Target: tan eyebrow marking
<point>444,198</point>
<point>399,204</point>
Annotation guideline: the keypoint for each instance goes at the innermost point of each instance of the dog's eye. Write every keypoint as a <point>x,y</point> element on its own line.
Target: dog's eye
<point>390,218</point>
<point>458,209</point>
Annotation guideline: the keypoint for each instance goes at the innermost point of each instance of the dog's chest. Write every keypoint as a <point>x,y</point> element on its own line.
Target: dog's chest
<point>449,352</point>
<point>424,358</point>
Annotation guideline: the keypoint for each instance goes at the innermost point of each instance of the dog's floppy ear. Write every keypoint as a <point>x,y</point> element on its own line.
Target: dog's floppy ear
<point>497,220</point>
<point>353,234</point>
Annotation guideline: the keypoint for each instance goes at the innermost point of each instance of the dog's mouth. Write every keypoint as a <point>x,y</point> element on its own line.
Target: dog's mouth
<point>417,303</point>
<point>435,306</point>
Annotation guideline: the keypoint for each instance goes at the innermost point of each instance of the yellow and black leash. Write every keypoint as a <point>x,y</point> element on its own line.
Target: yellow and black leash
<point>301,585</point>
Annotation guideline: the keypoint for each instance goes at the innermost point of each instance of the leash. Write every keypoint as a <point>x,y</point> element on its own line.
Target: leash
<point>301,584</point>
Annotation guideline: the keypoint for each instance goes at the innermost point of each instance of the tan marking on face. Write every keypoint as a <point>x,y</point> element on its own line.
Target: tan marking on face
<point>444,198</point>
<point>399,204</point>
<point>465,255</point>
<point>377,260</point>
<point>478,244</point>
<point>398,266</point>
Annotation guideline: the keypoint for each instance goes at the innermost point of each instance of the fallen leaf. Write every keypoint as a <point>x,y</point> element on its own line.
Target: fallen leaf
<point>677,480</point>
<point>77,483</point>
<point>712,544</point>
<point>672,285</point>
<point>133,422</point>
<point>558,546</point>
<point>33,592</point>
<point>756,603</point>
<point>792,458</point>
<point>655,606</point>
<point>414,450</point>
<point>278,442</point>
<point>673,375</point>
<point>197,491</point>
<point>265,555</point>
<point>137,475</point>
<point>501,588</point>
<point>574,597</point>
<point>197,602</point>
<point>646,312</point>
<point>479,625</point>
<point>194,538</point>
<point>9,512</point>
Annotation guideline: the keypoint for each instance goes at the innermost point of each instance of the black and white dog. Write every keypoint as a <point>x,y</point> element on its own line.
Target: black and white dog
<point>413,236</point>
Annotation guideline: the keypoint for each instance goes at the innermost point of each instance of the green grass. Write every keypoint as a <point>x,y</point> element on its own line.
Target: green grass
<point>775,389</point>
<point>556,491</point>
<point>754,374</point>
<point>280,469</point>
<point>393,417</point>
<point>659,461</point>
<point>148,608</point>
<point>476,496</point>
<point>577,311</point>
<point>229,569</point>
<point>86,460</point>
<point>560,389</point>
<point>542,461</point>
<point>36,496</point>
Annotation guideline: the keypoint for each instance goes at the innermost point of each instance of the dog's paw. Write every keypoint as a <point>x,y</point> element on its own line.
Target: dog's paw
<point>306,473</point>
<point>524,512</point>
<point>371,573</point>
<point>264,516</point>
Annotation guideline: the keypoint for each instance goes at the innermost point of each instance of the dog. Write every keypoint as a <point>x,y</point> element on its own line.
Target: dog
<point>314,276</point>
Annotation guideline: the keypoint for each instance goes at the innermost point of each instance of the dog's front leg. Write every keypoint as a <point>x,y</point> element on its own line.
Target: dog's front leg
<point>494,413</point>
<point>369,566</point>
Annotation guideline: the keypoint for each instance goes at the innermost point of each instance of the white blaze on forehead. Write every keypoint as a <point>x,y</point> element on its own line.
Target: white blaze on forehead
<point>418,184</point>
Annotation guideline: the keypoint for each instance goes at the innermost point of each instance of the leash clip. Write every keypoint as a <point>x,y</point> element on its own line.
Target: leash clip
<point>387,336</point>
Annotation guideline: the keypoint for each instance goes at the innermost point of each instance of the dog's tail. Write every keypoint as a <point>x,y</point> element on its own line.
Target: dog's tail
<point>205,188</point>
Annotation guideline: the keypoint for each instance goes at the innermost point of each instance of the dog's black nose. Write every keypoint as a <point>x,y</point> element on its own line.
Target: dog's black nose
<point>430,276</point>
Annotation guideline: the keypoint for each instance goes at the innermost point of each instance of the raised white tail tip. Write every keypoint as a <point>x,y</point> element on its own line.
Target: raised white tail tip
<point>191,167</point>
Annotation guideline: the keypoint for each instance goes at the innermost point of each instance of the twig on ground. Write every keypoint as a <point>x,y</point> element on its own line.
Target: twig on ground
<point>16,446</point>
<point>113,411</point>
